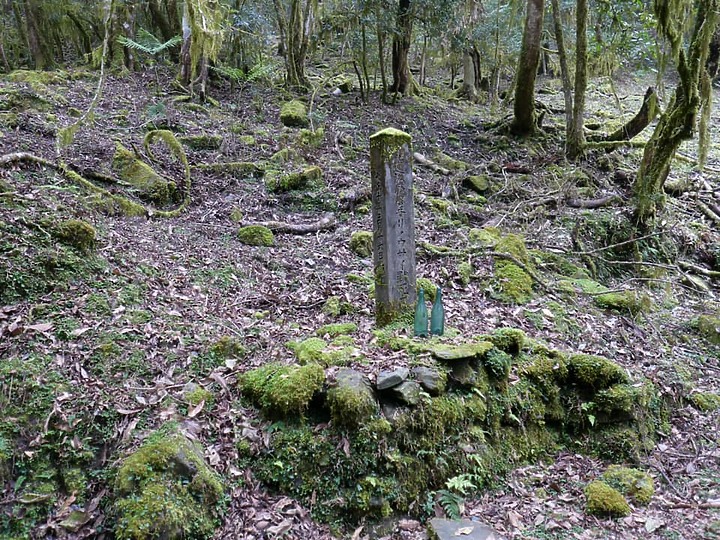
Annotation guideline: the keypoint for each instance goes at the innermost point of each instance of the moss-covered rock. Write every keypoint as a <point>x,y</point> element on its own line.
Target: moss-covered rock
<point>594,372</point>
<point>311,138</point>
<point>202,142</point>
<point>351,399</point>
<point>335,306</point>
<point>466,351</point>
<point>509,340</point>
<point>76,233</point>
<point>283,390</point>
<point>256,235</point>
<point>361,243</point>
<point>150,186</point>
<point>633,483</point>
<point>477,183</point>
<point>604,500</point>
<point>428,287</point>
<point>294,114</point>
<point>166,490</point>
<point>625,301</point>
<point>708,326</point>
<point>451,163</point>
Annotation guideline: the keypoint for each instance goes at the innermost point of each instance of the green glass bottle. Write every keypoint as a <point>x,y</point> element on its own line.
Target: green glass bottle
<point>421,315</point>
<point>437,315</point>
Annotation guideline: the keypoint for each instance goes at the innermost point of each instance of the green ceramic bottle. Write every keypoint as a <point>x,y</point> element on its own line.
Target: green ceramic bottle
<point>437,315</point>
<point>421,315</point>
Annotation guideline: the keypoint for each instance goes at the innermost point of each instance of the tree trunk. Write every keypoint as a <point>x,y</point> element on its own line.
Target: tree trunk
<point>564,70</point>
<point>525,120</point>
<point>38,41</point>
<point>159,20</point>
<point>576,135</point>
<point>679,121</point>
<point>185,60</point>
<point>297,44</point>
<point>282,27</point>
<point>471,74</point>
<point>381,54</point>
<point>401,48</point>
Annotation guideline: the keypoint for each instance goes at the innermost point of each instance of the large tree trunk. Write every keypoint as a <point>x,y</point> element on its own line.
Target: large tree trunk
<point>575,134</point>
<point>185,59</point>
<point>401,48</point>
<point>471,74</point>
<point>524,120</point>
<point>297,43</point>
<point>160,20</point>
<point>282,26</point>
<point>37,39</point>
<point>564,70</point>
<point>679,121</point>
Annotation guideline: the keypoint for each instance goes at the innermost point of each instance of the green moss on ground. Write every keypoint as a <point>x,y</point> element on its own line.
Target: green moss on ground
<point>228,347</point>
<point>337,329</point>
<point>256,235</point>
<point>283,390</point>
<point>594,372</point>
<point>705,401</point>
<point>708,326</point>
<point>279,182</point>
<point>625,301</point>
<point>202,142</point>
<point>510,282</point>
<point>604,500</point>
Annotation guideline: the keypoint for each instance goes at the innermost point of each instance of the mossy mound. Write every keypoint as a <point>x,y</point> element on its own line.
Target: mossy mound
<point>361,243</point>
<point>335,306</point>
<point>294,114</point>
<point>428,287</point>
<point>283,390</point>
<point>594,372</point>
<point>166,490</point>
<point>604,500</point>
<point>510,282</point>
<point>233,169</point>
<point>487,236</point>
<point>150,186</point>
<point>16,100</point>
<point>625,301</point>
<point>228,347</point>
<point>477,183</point>
<point>256,235</point>
<point>451,163</point>
<point>202,142</point>
<point>633,483</point>
<point>317,350</point>
<point>309,177</point>
<point>76,233</point>
<point>708,326</point>
<point>337,329</point>
<point>34,77</point>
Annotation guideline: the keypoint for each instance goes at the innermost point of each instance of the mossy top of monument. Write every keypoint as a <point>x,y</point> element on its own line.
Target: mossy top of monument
<point>392,138</point>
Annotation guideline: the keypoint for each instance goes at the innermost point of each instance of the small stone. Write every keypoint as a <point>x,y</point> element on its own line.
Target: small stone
<point>407,392</point>
<point>75,520</point>
<point>430,379</point>
<point>392,412</point>
<point>478,183</point>
<point>448,529</point>
<point>389,379</point>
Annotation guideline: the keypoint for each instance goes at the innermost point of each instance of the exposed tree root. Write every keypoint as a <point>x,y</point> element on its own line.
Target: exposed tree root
<point>430,164</point>
<point>709,212</point>
<point>328,221</point>
<point>647,113</point>
<point>698,270</point>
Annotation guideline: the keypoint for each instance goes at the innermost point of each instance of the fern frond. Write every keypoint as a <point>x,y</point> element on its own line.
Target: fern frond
<point>148,43</point>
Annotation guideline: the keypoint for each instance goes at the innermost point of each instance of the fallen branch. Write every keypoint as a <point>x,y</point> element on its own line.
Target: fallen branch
<point>430,164</point>
<point>709,212</point>
<point>328,221</point>
<point>699,270</point>
<point>594,203</point>
<point>351,199</point>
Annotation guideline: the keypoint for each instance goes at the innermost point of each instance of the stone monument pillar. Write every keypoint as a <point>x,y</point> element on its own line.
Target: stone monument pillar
<point>393,225</point>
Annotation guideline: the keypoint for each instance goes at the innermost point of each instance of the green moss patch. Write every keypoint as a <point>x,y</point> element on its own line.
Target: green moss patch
<point>708,326</point>
<point>283,390</point>
<point>256,235</point>
<point>625,301</point>
<point>294,114</point>
<point>337,329</point>
<point>277,182</point>
<point>705,401</point>
<point>510,282</point>
<point>202,142</point>
<point>594,372</point>
<point>633,483</point>
<point>166,490</point>
<point>76,233</point>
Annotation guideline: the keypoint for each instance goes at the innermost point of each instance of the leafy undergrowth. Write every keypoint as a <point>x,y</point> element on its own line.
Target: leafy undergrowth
<point>154,320</point>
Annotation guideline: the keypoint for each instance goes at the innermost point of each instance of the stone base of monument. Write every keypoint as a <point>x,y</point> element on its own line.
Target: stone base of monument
<point>447,529</point>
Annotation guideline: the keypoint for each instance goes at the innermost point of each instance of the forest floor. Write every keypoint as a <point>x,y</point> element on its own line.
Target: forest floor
<point>126,335</point>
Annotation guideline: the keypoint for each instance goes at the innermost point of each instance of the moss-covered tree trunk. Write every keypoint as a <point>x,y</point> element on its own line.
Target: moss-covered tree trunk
<point>679,121</point>
<point>575,133</point>
<point>297,44</point>
<point>401,48</point>
<point>524,120</point>
<point>564,70</point>
<point>38,39</point>
<point>471,73</point>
